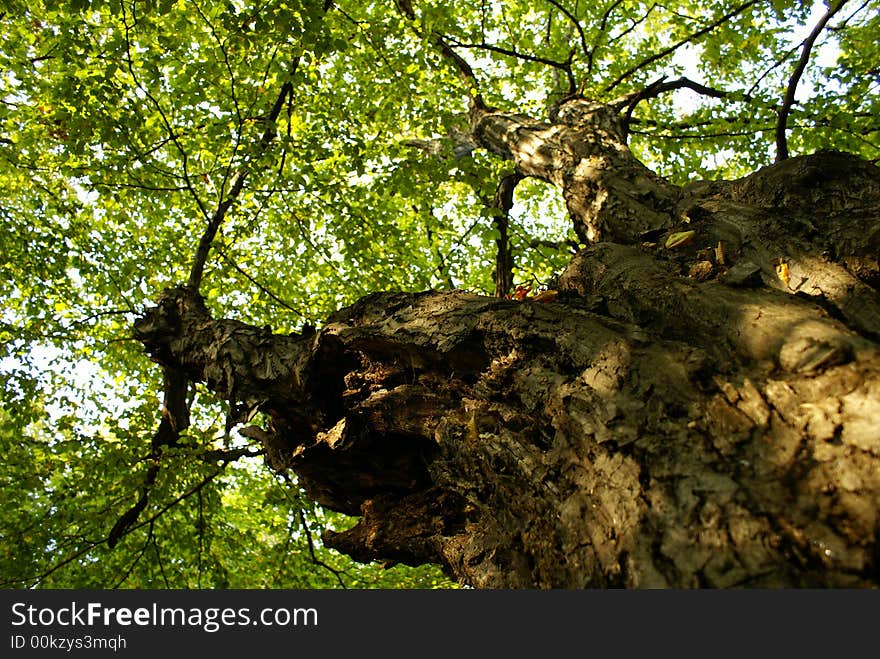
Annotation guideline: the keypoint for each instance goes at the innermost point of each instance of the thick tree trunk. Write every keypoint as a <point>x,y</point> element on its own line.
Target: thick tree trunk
<point>694,410</point>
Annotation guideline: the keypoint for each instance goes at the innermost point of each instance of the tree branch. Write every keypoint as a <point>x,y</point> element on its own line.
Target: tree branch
<point>175,419</point>
<point>661,86</point>
<point>221,45</point>
<point>779,62</point>
<point>178,499</point>
<point>607,14</point>
<point>667,51</point>
<point>172,133</point>
<point>238,180</point>
<point>508,53</point>
<point>317,561</point>
<point>198,267</point>
<point>503,202</point>
<point>562,66</point>
<point>159,560</point>
<point>442,267</point>
<point>658,87</point>
<point>175,415</point>
<point>465,72</point>
<point>577,24</point>
<point>308,532</point>
<point>134,563</point>
<point>781,124</point>
<point>230,455</point>
<point>602,26</point>
<point>251,279</point>
<point>33,581</point>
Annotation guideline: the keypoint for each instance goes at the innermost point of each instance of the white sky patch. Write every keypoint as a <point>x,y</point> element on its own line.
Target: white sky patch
<point>85,196</point>
<point>85,383</point>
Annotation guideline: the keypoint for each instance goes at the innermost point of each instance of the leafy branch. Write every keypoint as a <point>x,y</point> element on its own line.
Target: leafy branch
<point>225,256</point>
<point>172,133</point>
<point>788,101</point>
<point>507,52</point>
<point>176,406</point>
<point>576,23</point>
<point>226,458</point>
<point>238,181</point>
<point>465,71</point>
<point>313,555</point>
<point>671,49</point>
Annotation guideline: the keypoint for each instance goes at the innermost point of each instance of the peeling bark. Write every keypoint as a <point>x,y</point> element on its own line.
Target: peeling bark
<point>702,414</point>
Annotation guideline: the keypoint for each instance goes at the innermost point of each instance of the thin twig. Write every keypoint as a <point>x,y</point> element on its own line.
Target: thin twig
<point>33,581</point>
<point>159,560</point>
<point>178,499</point>
<point>252,280</point>
<point>310,541</point>
<point>172,133</point>
<point>607,14</point>
<point>634,23</point>
<point>465,72</point>
<point>317,561</point>
<point>131,567</point>
<point>779,62</point>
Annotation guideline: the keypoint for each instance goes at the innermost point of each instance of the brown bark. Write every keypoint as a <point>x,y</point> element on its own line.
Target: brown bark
<point>699,412</point>
<point>609,194</point>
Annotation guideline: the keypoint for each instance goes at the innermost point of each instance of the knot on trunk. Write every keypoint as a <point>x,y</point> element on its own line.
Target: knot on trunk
<point>579,112</point>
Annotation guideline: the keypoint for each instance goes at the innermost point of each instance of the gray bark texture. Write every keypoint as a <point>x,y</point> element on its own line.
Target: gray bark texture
<point>698,407</point>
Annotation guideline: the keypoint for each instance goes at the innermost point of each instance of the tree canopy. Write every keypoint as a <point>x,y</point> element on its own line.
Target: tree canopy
<point>289,158</point>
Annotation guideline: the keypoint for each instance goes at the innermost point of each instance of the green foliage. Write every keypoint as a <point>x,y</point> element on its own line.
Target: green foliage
<point>123,128</point>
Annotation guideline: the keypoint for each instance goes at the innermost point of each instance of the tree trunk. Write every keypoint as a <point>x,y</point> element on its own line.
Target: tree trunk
<point>699,407</point>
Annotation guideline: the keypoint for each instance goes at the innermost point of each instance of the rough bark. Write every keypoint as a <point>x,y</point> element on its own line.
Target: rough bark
<point>693,410</point>
<point>609,194</point>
